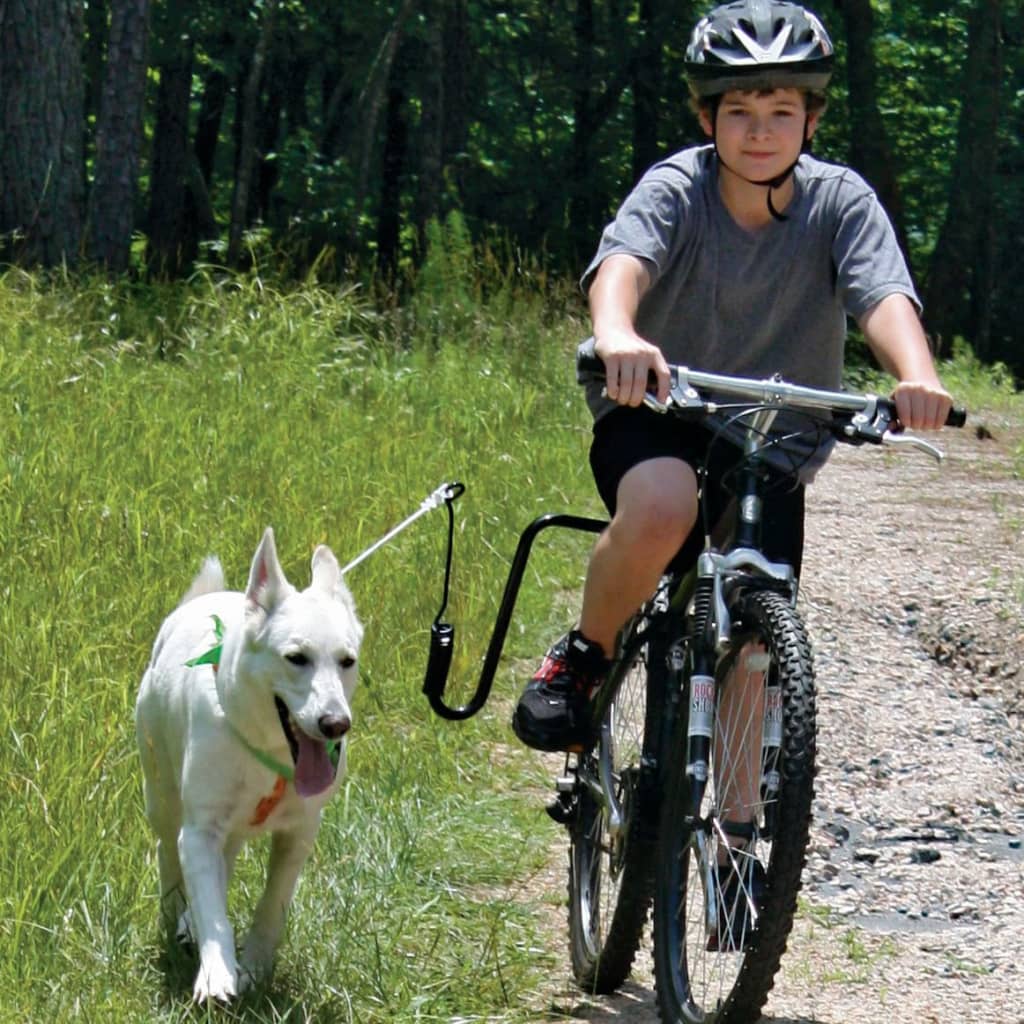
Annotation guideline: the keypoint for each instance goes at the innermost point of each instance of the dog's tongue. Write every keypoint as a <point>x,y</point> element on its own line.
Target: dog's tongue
<point>314,771</point>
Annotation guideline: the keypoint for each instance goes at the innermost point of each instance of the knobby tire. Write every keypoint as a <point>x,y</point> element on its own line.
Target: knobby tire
<point>695,985</point>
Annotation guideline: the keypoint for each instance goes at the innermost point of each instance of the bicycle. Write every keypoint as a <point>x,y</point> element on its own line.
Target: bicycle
<point>718,656</point>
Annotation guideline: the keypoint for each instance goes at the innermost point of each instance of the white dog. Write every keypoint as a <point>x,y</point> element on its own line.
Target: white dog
<point>241,722</point>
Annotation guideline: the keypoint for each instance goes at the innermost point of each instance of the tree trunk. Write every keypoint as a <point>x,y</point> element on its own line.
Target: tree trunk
<point>247,141</point>
<point>870,152</point>
<point>268,135</point>
<point>591,110</point>
<point>216,90</point>
<point>962,266</point>
<point>581,227</point>
<point>169,250</point>
<point>119,137</point>
<point>458,56</point>
<point>431,127</point>
<point>94,57</point>
<point>647,87</point>
<point>389,217</point>
<point>367,108</point>
<point>42,180</point>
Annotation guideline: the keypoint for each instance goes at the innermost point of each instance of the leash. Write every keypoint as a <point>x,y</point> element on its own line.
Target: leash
<point>446,493</point>
<point>442,634</point>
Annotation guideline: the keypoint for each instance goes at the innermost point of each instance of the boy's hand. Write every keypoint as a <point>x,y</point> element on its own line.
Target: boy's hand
<point>629,363</point>
<point>921,405</point>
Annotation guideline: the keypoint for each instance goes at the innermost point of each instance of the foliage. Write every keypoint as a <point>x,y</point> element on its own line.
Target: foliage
<point>524,119</point>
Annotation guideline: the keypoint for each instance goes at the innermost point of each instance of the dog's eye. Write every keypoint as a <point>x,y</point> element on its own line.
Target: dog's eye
<point>297,658</point>
<point>347,662</point>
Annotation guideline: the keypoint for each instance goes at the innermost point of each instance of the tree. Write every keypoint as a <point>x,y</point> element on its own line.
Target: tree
<point>870,152</point>
<point>246,161</point>
<point>119,136</point>
<point>42,131</point>
<point>168,252</point>
<point>958,297</point>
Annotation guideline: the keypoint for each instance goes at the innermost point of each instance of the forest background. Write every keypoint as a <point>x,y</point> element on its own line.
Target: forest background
<point>147,137</point>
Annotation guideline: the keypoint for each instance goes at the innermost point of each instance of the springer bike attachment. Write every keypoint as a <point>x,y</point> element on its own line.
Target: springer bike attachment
<point>442,634</point>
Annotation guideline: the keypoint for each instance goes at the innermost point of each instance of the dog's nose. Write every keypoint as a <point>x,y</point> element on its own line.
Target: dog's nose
<point>334,726</point>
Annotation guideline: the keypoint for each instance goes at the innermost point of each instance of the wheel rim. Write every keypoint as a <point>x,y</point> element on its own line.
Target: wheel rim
<point>600,858</point>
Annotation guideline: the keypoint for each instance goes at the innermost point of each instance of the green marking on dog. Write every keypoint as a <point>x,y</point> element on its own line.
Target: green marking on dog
<point>212,656</point>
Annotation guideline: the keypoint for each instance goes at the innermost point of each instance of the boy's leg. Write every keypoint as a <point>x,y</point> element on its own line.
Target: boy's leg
<point>655,510</point>
<point>740,727</point>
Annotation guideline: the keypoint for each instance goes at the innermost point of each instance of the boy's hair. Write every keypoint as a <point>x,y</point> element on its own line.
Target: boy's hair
<point>815,101</point>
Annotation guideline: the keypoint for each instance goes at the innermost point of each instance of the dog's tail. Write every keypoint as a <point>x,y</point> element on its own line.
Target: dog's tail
<point>209,581</point>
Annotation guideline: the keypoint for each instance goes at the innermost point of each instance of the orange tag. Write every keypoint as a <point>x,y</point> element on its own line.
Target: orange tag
<point>268,803</point>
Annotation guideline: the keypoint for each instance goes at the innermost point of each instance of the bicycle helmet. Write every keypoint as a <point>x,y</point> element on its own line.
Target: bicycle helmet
<point>758,44</point>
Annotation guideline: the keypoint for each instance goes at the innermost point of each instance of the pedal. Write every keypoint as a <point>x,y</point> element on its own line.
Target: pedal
<point>561,809</point>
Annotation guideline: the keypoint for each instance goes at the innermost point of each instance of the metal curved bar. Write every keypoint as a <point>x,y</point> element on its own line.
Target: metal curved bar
<point>436,677</point>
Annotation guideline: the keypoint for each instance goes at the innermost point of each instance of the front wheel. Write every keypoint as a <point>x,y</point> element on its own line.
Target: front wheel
<point>729,870</point>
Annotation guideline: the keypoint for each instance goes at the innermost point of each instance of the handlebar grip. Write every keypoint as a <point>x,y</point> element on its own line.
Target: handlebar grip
<point>957,417</point>
<point>588,367</point>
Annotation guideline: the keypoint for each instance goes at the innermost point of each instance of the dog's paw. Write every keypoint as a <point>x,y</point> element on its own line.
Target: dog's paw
<point>256,961</point>
<point>215,982</point>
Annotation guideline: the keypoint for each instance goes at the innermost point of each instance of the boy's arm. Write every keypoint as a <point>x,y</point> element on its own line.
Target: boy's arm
<point>894,332</point>
<point>619,285</point>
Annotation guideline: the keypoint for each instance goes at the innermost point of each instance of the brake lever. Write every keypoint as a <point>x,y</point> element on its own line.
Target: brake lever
<point>681,394</point>
<point>875,425</point>
<point>913,441</point>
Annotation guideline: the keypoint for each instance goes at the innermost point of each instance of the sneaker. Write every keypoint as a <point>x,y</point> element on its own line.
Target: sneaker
<point>735,891</point>
<point>554,711</point>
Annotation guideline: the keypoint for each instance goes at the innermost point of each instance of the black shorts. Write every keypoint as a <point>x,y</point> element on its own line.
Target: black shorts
<point>628,436</point>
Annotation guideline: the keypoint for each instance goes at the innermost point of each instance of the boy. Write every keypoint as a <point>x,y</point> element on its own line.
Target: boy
<point>744,257</point>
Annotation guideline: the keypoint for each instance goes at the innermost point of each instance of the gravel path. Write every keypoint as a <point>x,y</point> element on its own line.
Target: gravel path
<point>913,901</point>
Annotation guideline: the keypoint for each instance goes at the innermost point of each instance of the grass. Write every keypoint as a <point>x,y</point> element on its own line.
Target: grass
<point>144,427</point>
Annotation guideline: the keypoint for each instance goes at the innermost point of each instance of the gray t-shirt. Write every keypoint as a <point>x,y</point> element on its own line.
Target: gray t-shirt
<point>727,300</point>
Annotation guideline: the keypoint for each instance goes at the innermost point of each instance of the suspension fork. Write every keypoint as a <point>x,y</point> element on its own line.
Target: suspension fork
<point>700,695</point>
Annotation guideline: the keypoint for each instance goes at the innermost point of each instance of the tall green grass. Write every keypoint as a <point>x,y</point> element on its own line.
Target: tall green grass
<point>143,429</point>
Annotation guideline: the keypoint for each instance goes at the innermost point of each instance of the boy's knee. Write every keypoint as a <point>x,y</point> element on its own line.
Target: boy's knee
<point>658,521</point>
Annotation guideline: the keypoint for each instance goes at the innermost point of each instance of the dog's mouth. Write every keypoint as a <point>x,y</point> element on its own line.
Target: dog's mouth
<point>316,761</point>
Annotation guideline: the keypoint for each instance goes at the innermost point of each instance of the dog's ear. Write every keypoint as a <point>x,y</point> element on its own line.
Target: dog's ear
<point>267,583</point>
<point>327,577</point>
<point>326,571</point>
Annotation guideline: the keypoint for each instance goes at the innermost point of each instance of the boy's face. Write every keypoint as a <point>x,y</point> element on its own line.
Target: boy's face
<point>760,134</point>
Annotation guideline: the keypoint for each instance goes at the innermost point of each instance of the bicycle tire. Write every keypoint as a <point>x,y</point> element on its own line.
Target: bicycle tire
<point>695,985</point>
<point>611,879</point>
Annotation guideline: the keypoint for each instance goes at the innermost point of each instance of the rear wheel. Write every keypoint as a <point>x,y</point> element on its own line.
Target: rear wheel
<point>611,864</point>
<point>720,932</point>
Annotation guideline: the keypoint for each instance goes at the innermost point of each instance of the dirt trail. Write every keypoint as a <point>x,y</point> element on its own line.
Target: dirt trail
<point>913,901</point>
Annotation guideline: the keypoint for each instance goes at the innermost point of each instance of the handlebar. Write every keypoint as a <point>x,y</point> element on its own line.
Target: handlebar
<point>859,418</point>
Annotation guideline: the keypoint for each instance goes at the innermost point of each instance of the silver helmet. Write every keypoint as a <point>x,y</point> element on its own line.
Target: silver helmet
<point>758,44</point>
